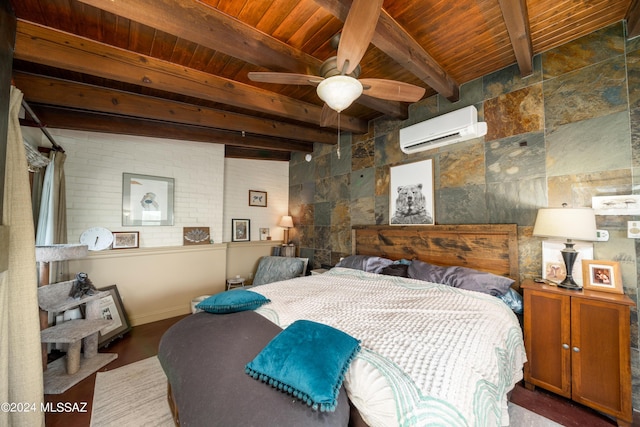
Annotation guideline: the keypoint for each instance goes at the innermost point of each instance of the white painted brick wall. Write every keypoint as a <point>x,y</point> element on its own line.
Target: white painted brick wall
<point>263,175</point>
<point>209,190</point>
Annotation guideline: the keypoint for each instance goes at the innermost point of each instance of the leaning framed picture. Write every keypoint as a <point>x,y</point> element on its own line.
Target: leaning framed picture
<point>411,194</point>
<point>602,276</point>
<point>147,200</point>
<point>111,308</point>
<point>240,230</point>
<point>258,198</point>
<point>126,239</point>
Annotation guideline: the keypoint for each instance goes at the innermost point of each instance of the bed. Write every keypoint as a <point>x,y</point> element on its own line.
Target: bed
<point>429,353</point>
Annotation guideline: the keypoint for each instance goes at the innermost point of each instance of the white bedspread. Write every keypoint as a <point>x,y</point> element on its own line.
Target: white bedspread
<point>431,354</point>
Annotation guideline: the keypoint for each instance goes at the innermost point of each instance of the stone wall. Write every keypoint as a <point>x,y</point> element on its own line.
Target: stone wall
<point>568,132</point>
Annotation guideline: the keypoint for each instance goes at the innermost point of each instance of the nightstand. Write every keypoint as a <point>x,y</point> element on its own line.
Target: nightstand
<point>235,282</point>
<point>578,346</point>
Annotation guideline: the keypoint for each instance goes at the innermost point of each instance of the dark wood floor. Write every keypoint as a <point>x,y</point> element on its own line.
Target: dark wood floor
<point>142,342</point>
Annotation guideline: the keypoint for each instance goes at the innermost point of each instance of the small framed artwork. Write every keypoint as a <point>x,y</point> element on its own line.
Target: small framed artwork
<point>411,194</point>
<point>240,230</point>
<point>196,236</point>
<point>258,198</point>
<point>126,239</point>
<point>147,200</point>
<point>264,234</point>
<point>602,276</point>
<point>111,308</point>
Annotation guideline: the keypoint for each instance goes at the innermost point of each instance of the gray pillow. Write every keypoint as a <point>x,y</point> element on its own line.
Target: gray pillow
<point>369,263</point>
<point>276,268</point>
<point>461,277</point>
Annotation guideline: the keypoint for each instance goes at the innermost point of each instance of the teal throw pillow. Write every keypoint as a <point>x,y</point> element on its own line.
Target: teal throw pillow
<point>307,360</point>
<point>232,301</point>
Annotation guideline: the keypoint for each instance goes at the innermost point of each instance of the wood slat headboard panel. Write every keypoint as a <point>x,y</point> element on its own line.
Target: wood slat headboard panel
<point>486,247</point>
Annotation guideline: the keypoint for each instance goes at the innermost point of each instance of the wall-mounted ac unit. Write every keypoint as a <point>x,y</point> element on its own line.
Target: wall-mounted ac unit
<point>456,126</point>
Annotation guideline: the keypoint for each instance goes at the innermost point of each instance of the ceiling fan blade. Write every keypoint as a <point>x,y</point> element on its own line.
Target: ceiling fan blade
<point>328,117</point>
<point>284,78</point>
<point>392,90</point>
<point>357,33</point>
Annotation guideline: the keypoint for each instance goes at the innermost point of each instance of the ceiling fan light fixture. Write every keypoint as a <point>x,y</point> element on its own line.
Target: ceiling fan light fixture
<point>339,92</point>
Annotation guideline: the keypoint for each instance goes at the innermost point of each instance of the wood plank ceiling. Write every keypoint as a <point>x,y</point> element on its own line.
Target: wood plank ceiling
<point>178,68</point>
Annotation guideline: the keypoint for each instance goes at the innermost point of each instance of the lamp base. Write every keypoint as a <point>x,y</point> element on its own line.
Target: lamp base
<point>569,255</point>
<point>569,285</point>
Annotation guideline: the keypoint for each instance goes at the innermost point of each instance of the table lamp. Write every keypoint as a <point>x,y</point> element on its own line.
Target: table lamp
<point>287,223</point>
<point>570,224</point>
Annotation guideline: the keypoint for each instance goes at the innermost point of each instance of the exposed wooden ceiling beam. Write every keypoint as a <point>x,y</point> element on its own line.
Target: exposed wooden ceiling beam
<point>65,118</point>
<point>255,154</point>
<point>64,93</point>
<point>206,26</point>
<point>393,40</point>
<point>54,48</point>
<point>516,19</point>
<point>633,19</point>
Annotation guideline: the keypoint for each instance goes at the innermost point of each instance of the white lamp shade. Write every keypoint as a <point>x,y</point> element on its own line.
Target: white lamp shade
<point>339,91</point>
<point>566,223</point>
<point>60,252</point>
<point>286,222</point>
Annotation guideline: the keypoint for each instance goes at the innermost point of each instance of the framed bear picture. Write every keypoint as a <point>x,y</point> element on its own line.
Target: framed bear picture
<point>411,194</point>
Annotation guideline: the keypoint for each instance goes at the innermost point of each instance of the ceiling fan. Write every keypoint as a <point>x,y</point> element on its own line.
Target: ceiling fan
<point>338,84</point>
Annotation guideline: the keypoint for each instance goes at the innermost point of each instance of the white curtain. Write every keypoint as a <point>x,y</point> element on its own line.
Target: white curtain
<point>20,350</point>
<point>46,226</point>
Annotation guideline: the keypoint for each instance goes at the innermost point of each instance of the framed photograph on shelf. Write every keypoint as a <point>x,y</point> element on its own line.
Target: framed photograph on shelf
<point>196,236</point>
<point>126,239</point>
<point>111,308</point>
<point>602,276</point>
<point>553,268</point>
<point>240,230</point>
<point>264,234</point>
<point>258,198</point>
<point>147,200</point>
<point>411,194</point>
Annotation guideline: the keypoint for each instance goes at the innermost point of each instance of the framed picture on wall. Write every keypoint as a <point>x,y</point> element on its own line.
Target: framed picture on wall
<point>411,194</point>
<point>240,230</point>
<point>147,200</point>
<point>258,198</point>
<point>126,239</point>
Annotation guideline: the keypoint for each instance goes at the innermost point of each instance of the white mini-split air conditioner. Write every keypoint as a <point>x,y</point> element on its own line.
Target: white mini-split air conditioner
<point>456,126</point>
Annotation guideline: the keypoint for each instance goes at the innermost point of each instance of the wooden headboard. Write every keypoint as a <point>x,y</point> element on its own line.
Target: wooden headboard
<point>486,247</point>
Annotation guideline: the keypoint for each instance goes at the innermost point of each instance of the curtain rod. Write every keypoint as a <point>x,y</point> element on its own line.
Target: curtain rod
<point>42,127</point>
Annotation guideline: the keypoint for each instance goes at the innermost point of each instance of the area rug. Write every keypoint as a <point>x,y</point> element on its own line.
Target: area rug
<point>133,395</point>
<point>136,395</point>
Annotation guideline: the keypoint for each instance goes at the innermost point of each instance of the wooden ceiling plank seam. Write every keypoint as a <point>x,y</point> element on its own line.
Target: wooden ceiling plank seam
<point>56,92</point>
<point>65,50</point>
<point>301,12</point>
<point>555,38</point>
<point>253,11</point>
<point>139,41</point>
<point>273,17</point>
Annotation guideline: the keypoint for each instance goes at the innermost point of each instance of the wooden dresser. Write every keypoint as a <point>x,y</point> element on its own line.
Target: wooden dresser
<point>578,346</point>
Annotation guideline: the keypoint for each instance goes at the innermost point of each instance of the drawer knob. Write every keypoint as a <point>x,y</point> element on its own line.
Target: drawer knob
<point>565,346</point>
<point>576,350</point>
